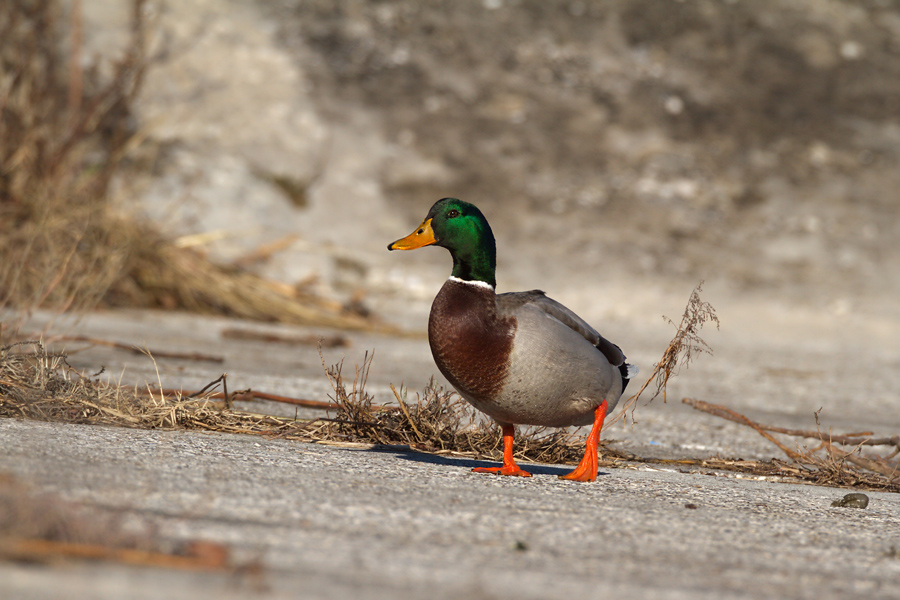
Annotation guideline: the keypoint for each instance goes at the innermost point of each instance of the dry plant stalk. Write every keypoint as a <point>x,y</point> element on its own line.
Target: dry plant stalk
<point>681,349</point>
<point>38,384</point>
<point>65,133</point>
<point>833,467</point>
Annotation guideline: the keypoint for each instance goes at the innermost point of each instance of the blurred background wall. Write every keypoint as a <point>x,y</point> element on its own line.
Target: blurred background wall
<point>637,143</point>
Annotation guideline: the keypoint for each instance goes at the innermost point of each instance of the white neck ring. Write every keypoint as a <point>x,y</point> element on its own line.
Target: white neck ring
<point>473,282</point>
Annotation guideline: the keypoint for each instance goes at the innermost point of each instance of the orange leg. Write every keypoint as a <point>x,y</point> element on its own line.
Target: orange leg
<point>509,465</point>
<point>587,468</point>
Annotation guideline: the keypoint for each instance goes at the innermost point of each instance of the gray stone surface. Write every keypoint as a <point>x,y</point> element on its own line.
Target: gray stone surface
<point>332,522</point>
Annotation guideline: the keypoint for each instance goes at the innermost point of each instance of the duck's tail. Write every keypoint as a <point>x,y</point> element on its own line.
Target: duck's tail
<point>628,372</point>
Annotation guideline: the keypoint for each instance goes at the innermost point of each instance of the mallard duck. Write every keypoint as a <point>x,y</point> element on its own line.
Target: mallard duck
<point>521,358</point>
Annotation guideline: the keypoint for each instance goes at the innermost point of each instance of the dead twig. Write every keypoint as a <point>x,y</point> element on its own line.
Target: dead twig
<point>834,464</point>
<point>41,527</point>
<point>877,466</point>
<point>253,395</point>
<point>727,413</point>
<point>265,251</point>
<point>38,550</point>
<point>863,438</point>
<point>329,341</point>
<point>197,356</point>
<point>207,387</point>
<point>229,404</point>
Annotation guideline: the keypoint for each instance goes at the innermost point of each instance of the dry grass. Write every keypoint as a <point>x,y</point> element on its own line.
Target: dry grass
<point>437,421</point>
<point>835,459</point>
<point>157,274</point>
<point>64,132</point>
<point>682,349</point>
<point>38,384</point>
<point>65,135</point>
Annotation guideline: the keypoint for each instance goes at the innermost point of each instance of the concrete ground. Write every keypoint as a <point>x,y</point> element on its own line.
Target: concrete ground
<point>340,523</point>
<point>328,522</point>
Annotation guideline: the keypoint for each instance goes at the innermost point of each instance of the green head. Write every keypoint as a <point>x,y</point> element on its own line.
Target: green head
<point>460,228</point>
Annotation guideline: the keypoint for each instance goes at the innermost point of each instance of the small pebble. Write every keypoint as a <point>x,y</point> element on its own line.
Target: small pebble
<point>854,500</point>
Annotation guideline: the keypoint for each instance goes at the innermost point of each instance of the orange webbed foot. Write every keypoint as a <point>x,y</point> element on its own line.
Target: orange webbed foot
<point>587,468</point>
<point>583,472</point>
<point>509,465</point>
<point>511,470</point>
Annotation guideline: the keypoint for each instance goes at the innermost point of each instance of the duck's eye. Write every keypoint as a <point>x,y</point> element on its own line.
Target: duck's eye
<point>453,214</point>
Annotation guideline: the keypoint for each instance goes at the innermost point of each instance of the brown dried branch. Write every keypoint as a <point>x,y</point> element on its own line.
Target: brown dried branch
<point>43,528</point>
<point>862,438</point>
<point>727,413</point>
<point>38,550</point>
<point>329,341</point>
<point>199,356</point>
<point>833,463</point>
<point>892,472</point>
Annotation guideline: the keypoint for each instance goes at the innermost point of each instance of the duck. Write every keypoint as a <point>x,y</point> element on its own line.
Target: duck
<point>521,358</point>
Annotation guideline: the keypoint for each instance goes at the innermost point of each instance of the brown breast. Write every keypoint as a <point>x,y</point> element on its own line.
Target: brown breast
<point>470,342</point>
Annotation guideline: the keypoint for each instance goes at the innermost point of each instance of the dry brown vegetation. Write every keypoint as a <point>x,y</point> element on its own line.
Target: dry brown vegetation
<point>835,459</point>
<point>437,421</point>
<point>38,384</point>
<point>685,344</point>
<point>65,136</point>
<point>64,132</point>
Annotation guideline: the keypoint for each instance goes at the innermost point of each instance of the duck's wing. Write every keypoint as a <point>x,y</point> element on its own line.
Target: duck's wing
<point>508,303</point>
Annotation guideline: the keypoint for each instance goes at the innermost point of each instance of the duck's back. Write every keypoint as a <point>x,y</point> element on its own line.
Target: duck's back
<point>560,369</point>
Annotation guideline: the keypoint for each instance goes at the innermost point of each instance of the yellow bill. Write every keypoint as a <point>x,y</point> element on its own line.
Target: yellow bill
<point>422,236</point>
